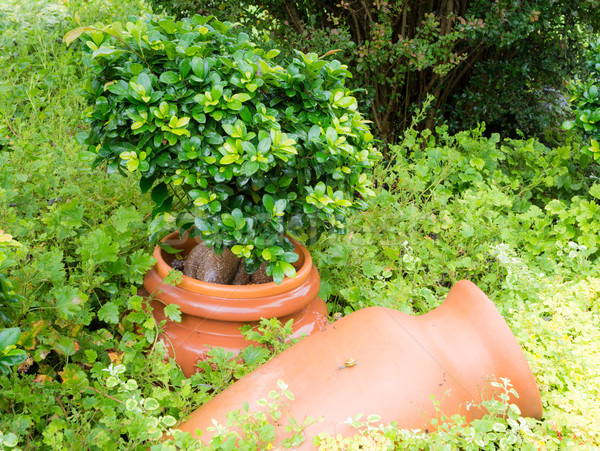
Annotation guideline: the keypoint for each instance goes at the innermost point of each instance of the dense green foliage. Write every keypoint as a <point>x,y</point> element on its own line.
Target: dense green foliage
<point>248,148</point>
<point>447,199</point>
<point>502,63</point>
<point>9,300</point>
<point>585,102</point>
<point>516,217</point>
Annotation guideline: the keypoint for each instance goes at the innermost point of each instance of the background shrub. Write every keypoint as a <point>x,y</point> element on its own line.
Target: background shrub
<point>585,104</point>
<point>504,64</point>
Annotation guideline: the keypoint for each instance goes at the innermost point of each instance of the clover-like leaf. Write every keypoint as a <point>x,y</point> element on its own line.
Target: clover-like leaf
<point>151,404</point>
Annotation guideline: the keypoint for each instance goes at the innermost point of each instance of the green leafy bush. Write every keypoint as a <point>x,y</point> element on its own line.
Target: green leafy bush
<point>442,201</point>
<point>240,147</point>
<point>556,323</point>
<point>585,102</point>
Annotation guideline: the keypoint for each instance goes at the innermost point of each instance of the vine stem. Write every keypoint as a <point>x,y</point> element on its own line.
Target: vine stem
<point>11,129</point>
<point>104,394</point>
<point>62,406</point>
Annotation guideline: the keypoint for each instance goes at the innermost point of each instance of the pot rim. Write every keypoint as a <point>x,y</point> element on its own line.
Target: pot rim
<point>236,291</point>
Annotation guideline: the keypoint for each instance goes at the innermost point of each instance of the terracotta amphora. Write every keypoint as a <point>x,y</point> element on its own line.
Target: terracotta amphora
<point>400,361</point>
<point>212,314</point>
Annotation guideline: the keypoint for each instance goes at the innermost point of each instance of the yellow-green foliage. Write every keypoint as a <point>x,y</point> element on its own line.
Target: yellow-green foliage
<point>560,336</point>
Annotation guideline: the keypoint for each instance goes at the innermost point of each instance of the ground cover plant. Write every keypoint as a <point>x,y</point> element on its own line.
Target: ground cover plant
<point>516,217</point>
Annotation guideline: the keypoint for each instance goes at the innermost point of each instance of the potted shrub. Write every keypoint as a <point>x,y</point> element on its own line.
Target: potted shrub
<point>237,148</point>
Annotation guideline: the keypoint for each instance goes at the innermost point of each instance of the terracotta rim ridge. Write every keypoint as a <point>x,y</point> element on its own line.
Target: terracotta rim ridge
<point>244,307</point>
<point>237,291</point>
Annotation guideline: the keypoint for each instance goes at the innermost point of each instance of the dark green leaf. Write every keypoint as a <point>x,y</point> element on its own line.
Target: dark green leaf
<point>199,67</point>
<point>268,202</point>
<point>159,194</point>
<point>277,273</point>
<point>144,80</point>
<point>169,249</point>
<point>146,183</point>
<point>13,357</point>
<point>214,207</point>
<point>314,133</point>
<point>250,167</point>
<point>164,207</point>
<point>184,67</point>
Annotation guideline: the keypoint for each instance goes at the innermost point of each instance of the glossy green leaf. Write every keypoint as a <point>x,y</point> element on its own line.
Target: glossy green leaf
<point>146,183</point>
<point>268,202</point>
<point>159,194</point>
<point>169,77</point>
<point>103,51</point>
<point>144,80</point>
<point>168,25</point>
<point>272,53</point>
<point>13,357</point>
<point>320,189</point>
<point>9,337</point>
<point>228,220</point>
<point>264,145</point>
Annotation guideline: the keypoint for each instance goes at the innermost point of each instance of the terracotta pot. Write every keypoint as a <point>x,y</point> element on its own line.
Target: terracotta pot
<point>213,314</point>
<point>451,353</point>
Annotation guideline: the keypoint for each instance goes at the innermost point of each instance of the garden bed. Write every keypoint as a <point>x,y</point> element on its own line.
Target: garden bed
<point>498,213</point>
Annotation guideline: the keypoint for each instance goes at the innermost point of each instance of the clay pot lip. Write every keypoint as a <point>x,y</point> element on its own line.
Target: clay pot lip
<point>237,291</point>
